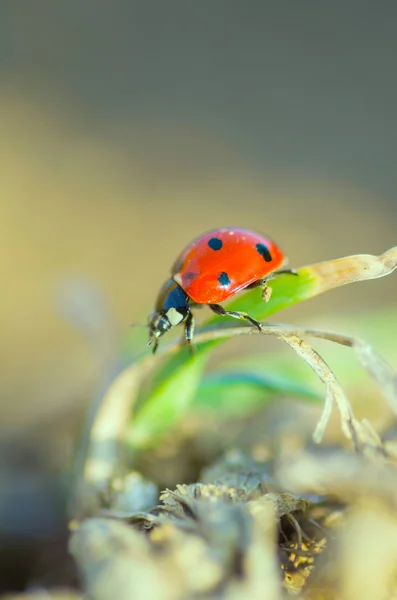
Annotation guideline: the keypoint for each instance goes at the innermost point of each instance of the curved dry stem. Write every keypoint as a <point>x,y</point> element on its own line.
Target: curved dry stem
<point>377,367</point>
<point>371,361</point>
<point>100,448</point>
<point>334,391</point>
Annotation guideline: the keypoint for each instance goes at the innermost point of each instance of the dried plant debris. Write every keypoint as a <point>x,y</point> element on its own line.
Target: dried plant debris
<point>234,537</point>
<point>360,560</point>
<point>241,471</point>
<point>319,525</point>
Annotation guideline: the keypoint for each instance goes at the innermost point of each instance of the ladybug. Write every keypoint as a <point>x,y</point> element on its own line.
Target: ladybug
<point>211,269</point>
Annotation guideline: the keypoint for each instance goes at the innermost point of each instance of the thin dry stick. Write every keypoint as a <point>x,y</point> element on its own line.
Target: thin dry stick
<point>375,365</point>
<point>334,391</point>
<point>372,362</point>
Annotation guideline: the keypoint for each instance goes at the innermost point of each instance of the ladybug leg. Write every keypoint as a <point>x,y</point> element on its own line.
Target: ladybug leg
<point>285,272</point>
<point>219,310</point>
<point>266,289</point>
<point>189,330</point>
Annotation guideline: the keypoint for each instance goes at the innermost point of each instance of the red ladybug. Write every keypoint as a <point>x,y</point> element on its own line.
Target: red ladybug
<point>211,269</point>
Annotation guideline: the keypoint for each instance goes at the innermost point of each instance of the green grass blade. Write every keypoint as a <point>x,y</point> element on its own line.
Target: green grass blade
<point>235,393</point>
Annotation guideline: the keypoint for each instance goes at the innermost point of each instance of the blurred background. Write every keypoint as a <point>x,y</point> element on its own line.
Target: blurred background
<point>128,128</point>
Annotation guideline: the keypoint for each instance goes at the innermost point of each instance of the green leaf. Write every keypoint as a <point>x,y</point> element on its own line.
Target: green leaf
<point>167,402</point>
<point>239,392</point>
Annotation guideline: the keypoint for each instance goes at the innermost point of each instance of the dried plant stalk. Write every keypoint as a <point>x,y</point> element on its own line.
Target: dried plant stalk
<point>374,364</point>
<point>334,391</point>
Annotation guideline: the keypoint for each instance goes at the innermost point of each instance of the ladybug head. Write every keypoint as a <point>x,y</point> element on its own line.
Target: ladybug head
<point>172,308</point>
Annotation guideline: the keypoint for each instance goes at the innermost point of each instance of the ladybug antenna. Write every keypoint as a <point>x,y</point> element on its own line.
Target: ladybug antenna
<point>153,339</point>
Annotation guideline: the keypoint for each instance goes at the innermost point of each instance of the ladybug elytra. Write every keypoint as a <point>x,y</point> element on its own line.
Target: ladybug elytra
<point>211,269</point>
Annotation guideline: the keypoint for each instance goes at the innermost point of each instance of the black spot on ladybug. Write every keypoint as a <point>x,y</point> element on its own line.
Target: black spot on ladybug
<point>189,277</point>
<point>215,243</point>
<point>264,251</point>
<point>223,279</point>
